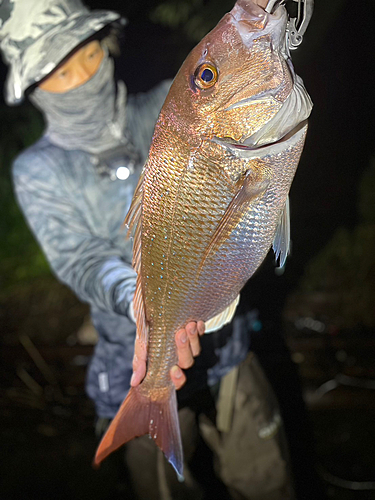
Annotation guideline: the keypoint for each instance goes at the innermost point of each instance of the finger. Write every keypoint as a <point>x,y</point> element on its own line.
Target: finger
<point>178,377</point>
<point>192,331</point>
<point>139,372</point>
<point>140,351</point>
<point>185,356</point>
<point>139,363</point>
<point>262,3</point>
<point>201,327</point>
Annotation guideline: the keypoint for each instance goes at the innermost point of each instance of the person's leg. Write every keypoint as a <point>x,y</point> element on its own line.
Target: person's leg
<point>252,459</point>
<point>273,355</point>
<point>150,474</point>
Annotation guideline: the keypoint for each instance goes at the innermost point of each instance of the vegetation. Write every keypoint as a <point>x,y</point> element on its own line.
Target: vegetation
<point>32,301</point>
<point>20,257</point>
<point>194,17</point>
<point>345,269</point>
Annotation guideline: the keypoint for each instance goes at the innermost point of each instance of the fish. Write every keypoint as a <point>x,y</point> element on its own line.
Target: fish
<point>211,201</point>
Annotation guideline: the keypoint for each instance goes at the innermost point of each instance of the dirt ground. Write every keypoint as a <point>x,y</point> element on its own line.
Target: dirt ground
<point>46,420</point>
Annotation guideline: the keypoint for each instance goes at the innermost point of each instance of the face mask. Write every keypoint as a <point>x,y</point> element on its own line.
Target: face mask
<point>90,117</point>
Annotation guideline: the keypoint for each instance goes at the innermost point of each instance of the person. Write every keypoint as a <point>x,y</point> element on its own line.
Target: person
<point>74,186</point>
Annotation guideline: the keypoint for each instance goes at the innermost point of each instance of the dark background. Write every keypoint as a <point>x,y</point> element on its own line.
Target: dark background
<point>323,305</point>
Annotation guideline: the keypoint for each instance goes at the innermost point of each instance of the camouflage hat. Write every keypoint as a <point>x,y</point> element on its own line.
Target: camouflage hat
<point>35,35</point>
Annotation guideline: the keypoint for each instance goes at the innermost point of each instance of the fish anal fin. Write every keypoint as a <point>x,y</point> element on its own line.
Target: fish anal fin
<point>281,242</point>
<point>223,318</point>
<point>140,311</point>
<point>250,187</point>
<point>137,248</point>
<point>138,300</point>
<point>142,414</point>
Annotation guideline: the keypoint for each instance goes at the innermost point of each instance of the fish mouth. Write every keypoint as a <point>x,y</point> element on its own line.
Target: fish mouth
<point>272,148</point>
<point>251,20</point>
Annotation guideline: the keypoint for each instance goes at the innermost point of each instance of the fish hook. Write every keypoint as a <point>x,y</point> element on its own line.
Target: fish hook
<point>296,26</point>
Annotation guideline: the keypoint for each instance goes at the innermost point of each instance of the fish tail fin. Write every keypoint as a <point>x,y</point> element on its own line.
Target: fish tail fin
<point>140,414</point>
<point>165,430</point>
<point>131,420</point>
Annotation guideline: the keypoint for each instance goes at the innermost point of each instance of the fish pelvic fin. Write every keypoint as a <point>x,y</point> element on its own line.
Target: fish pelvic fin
<point>281,242</point>
<point>250,187</point>
<point>142,414</point>
<point>223,318</point>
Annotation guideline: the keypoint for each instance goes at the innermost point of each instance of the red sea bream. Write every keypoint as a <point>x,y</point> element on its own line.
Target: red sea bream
<point>211,201</point>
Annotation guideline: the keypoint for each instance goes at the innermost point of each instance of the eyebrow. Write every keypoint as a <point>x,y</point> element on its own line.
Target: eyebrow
<point>94,46</point>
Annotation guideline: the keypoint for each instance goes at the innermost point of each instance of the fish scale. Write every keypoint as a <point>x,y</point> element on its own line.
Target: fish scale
<point>211,201</point>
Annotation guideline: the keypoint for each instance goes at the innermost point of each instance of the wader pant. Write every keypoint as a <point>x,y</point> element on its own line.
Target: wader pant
<point>236,451</point>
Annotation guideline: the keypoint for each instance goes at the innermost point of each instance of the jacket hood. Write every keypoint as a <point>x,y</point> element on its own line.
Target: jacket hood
<point>35,36</point>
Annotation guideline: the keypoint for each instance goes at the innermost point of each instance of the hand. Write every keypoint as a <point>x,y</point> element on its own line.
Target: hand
<point>261,3</point>
<point>188,347</point>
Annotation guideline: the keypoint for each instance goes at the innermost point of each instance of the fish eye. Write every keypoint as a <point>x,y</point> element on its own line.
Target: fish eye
<point>205,76</point>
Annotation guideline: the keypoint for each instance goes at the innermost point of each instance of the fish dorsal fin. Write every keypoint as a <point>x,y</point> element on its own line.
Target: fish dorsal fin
<point>249,188</point>
<point>223,318</point>
<point>281,241</point>
<point>133,221</point>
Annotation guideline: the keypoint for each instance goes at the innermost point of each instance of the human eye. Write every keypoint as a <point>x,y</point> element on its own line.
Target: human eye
<point>63,74</point>
<point>93,53</point>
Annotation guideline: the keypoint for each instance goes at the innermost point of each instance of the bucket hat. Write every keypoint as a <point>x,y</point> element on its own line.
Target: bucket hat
<point>36,35</point>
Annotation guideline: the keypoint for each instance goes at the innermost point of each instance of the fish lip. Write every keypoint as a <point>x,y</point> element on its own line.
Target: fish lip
<point>259,98</point>
<point>288,140</point>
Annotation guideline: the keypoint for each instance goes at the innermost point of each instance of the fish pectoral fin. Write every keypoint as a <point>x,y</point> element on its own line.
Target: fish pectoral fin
<point>281,242</point>
<point>250,188</point>
<point>225,317</point>
<point>140,414</point>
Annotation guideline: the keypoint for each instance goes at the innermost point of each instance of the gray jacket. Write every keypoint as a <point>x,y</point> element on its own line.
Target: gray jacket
<point>76,214</point>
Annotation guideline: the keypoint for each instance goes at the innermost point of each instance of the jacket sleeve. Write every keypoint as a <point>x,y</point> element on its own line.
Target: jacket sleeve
<point>91,265</point>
